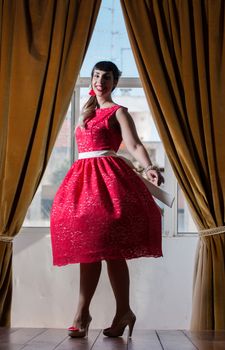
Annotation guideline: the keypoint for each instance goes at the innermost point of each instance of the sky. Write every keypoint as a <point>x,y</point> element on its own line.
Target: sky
<point>110,41</point>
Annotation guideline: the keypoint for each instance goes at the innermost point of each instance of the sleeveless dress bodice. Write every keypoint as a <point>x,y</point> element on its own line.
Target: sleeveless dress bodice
<point>97,134</point>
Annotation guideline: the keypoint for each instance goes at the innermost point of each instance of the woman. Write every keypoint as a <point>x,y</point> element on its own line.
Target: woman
<point>103,210</point>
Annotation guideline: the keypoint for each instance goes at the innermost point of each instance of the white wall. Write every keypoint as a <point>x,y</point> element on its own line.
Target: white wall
<point>45,295</point>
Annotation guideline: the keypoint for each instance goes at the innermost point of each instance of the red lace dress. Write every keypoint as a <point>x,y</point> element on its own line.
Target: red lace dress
<point>102,210</point>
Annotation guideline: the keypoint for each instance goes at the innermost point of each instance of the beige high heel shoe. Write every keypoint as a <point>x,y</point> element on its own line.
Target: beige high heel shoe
<point>79,332</point>
<point>117,331</point>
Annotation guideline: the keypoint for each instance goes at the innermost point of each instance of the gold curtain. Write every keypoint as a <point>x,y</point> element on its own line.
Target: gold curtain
<point>42,47</point>
<point>179,49</point>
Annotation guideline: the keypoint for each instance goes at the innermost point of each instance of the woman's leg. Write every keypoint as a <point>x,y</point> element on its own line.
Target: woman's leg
<point>89,277</point>
<point>120,281</point>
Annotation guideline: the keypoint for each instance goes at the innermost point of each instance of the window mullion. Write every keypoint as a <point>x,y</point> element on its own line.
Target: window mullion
<point>77,114</point>
<point>170,214</point>
<point>73,106</point>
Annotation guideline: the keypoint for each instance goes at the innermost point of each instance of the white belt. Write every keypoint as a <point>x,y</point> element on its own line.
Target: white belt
<point>94,154</point>
<point>157,192</point>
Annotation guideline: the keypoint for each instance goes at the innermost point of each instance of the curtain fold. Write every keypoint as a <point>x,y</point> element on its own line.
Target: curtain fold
<point>179,50</point>
<point>42,46</point>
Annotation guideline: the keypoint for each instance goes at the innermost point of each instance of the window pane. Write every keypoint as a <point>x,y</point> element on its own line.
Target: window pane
<point>185,222</point>
<point>58,165</point>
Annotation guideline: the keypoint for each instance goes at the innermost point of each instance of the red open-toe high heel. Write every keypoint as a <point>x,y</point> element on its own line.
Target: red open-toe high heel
<point>79,332</point>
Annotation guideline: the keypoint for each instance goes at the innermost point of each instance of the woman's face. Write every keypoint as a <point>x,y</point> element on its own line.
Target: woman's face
<point>102,83</point>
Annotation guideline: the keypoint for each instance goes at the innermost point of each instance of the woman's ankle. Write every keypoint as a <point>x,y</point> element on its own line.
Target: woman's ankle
<point>82,315</point>
<point>120,312</point>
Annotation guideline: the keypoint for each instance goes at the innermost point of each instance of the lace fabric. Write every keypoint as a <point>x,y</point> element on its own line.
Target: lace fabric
<point>102,210</point>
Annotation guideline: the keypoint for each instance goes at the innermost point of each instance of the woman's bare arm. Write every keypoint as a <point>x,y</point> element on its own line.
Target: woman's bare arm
<point>133,143</point>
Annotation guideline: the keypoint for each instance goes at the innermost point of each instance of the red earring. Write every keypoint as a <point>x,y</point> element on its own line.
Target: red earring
<point>91,92</point>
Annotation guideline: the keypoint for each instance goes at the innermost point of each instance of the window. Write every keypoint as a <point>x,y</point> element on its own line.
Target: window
<point>185,223</point>
<point>111,32</point>
<point>59,163</point>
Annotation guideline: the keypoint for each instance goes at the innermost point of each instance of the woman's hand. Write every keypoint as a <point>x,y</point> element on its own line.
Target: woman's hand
<point>154,175</point>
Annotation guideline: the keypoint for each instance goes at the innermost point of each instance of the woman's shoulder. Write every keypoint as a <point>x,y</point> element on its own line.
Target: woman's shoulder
<point>123,116</point>
<point>121,110</point>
